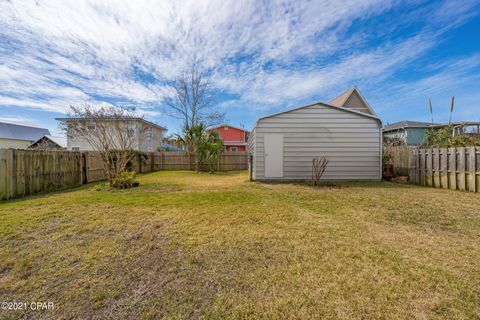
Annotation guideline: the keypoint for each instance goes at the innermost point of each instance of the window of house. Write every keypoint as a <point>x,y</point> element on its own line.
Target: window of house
<point>225,128</point>
<point>234,149</point>
<point>130,132</point>
<point>75,149</point>
<point>149,134</point>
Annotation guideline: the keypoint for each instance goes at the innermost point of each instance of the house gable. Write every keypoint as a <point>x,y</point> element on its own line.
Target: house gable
<point>353,99</point>
<point>230,133</point>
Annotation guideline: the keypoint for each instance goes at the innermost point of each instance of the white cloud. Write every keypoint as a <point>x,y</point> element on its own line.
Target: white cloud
<point>61,52</point>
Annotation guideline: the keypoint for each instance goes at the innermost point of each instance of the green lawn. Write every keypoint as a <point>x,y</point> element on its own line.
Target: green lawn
<point>188,245</point>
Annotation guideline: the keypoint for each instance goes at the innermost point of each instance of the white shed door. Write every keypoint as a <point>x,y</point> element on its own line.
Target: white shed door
<point>273,155</point>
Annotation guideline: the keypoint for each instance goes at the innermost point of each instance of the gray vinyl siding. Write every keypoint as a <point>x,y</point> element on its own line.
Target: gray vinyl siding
<point>350,141</point>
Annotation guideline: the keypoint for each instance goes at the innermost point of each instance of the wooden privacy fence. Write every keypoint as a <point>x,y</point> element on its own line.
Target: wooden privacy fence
<point>448,168</point>
<point>399,159</point>
<point>25,172</point>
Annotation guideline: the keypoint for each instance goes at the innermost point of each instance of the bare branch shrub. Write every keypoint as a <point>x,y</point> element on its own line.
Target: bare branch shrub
<point>319,164</point>
<point>110,131</point>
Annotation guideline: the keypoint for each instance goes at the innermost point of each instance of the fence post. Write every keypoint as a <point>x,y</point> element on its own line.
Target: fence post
<point>472,183</point>
<point>436,168</point>
<point>411,166</point>
<point>83,158</point>
<point>250,166</point>
<point>452,167</point>
<point>417,166</point>
<point>428,167</point>
<point>3,174</point>
<point>461,169</point>
<point>13,172</point>
<point>444,168</point>
<point>152,161</point>
<point>87,167</point>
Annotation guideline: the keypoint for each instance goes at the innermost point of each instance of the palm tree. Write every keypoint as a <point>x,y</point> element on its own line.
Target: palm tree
<point>205,145</point>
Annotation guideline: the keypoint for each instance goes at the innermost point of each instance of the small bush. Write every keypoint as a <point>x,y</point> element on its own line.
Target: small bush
<point>125,180</point>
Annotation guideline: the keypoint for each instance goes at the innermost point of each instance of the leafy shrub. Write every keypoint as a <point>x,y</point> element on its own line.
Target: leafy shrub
<point>125,180</point>
<point>206,145</point>
<point>442,138</point>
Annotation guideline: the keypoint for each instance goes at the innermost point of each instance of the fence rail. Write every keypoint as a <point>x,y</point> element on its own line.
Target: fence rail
<point>448,168</point>
<point>25,172</point>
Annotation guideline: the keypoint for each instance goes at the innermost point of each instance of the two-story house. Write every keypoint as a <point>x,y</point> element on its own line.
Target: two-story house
<point>146,136</point>
<point>234,139</point>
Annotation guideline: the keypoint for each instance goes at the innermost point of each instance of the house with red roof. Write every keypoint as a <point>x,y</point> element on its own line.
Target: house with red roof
<point>234,138</point>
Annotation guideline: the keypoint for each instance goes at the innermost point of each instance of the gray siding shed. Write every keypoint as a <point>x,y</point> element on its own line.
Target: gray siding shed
<point>351,141</point>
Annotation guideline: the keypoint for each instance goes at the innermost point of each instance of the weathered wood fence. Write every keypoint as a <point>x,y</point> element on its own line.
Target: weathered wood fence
<point>25,172</point>
<point>399,159</point>
<point>448,168</point>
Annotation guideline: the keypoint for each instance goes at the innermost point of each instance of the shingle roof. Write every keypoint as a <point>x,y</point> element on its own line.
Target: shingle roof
<point>21,132</point>
<point>408,124</point>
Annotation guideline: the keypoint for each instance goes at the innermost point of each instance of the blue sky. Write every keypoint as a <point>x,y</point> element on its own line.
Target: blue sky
<point>263,56</point>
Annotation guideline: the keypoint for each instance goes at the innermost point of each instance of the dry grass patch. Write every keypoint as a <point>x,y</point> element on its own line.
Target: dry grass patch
<point>186,245</point>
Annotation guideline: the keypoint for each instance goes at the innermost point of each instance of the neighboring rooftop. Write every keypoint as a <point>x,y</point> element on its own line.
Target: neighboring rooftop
<point>227,125</point>
<point>352,99</point>
<point>418,124</point>
<point>59,141</point>
<point>408,124</point>
<point>21,132</point>
<point>459,124</point>
<point>110,118</point>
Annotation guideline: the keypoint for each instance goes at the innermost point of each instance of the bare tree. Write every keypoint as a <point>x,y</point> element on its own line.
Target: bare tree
<point>110,131</point>
<point>193,100</point>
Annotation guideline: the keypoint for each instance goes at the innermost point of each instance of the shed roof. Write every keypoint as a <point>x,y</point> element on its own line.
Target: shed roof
<point>325,104</point>
<point>21,132</point>
<point>337,103</point>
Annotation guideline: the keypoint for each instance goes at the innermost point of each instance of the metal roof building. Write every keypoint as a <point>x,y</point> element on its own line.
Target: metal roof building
<point>19,136</point>
<point>345,131</point>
